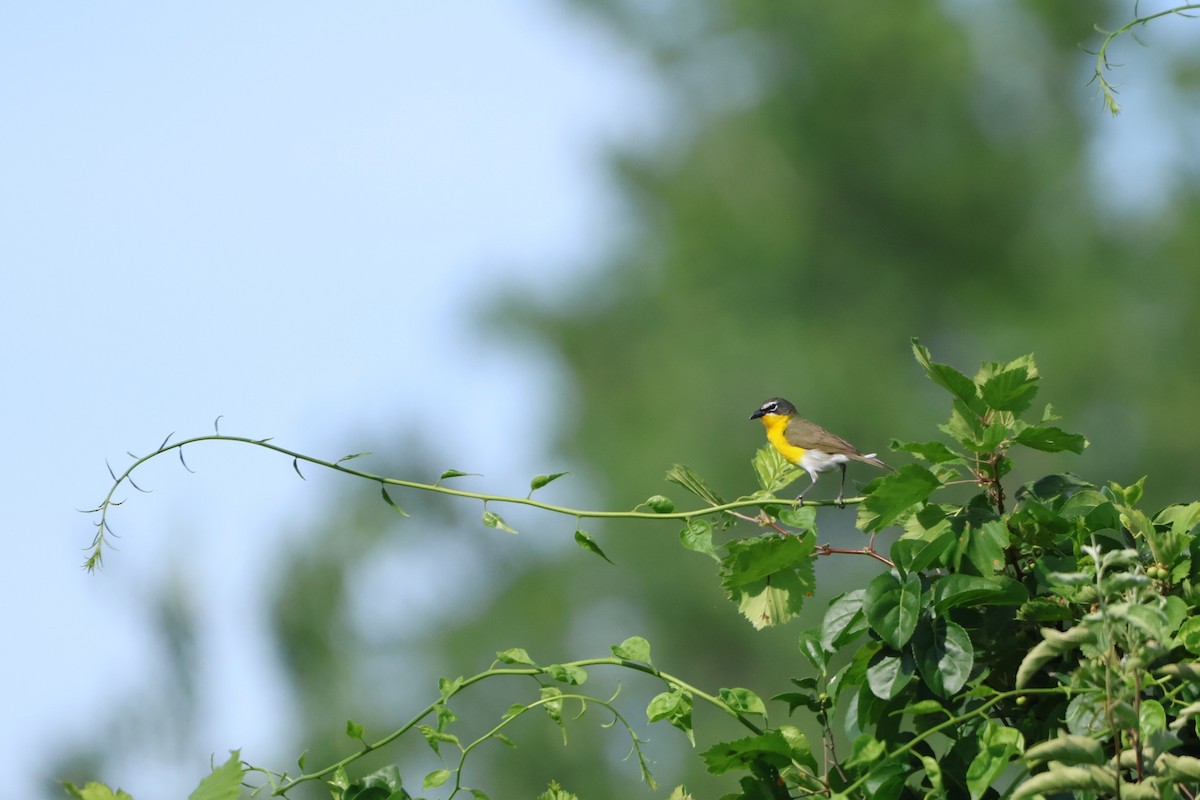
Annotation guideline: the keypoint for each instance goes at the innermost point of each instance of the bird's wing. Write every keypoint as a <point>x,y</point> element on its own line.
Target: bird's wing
<point>811,436</point>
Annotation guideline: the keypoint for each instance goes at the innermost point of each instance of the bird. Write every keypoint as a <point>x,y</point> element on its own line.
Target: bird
<point>808,445</point>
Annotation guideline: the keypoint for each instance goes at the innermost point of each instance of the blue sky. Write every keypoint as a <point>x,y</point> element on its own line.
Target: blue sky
<point>284,214</point>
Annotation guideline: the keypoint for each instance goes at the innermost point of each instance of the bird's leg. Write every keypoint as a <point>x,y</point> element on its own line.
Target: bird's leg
<point>800,497</point>
<point>842,503</point>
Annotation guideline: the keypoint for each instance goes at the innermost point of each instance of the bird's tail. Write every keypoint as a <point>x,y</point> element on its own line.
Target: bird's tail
<point>869,458</point>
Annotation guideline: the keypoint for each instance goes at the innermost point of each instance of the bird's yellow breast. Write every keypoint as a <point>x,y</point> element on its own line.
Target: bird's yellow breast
<point>776,425</point>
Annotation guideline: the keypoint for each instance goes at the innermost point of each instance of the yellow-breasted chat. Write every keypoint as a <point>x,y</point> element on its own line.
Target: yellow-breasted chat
<point>808,445</point>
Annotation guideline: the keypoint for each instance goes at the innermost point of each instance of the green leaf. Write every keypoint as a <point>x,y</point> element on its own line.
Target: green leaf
<point>774,472</point>
<point>768,577</point>
<point>865,750</point>
<point>933,452</point>
<point>635,648</point>
<point>515,655</point>
<point>1054,644</point>
<point>566,673</point>
<point>984,546</point>
<point>434,738</point>
<point>948,378</point>
<point>493,520</point>
<point>911,554</point>
<point>769,748</point>
<point>541,480</point>
<point>94,790</point>
<point>804,518</point>
<point>894,494</point>
<point>675,707</point>
<point>944,655</point>
<point>697,536</point>
<point>998,747</point>
<point>660,504</point>
<point>1067,748</point>
<point>844,620</point>
<point>1063,778</point>
<point>890,674</point>
<point>686,477</point>
<point>453,473</point>
<point>1051,440</point>
<point>354,730</point>
<point>447,687</point>
<point>1189,635</point>
<point>810,648</point>
<point>556,792</point>
<point>743,701</point>
<point>893,607</point>
<point>224,782</point>
<point>387,498</point>
<point>1011,390</point>
<point>958,589</point>
<point>588,543</point>
<point>435,778</point>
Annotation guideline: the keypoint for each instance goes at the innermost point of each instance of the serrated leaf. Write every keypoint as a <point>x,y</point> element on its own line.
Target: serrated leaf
<point>697,536</point>
<point>493,520</point>
<point>893,606</point>
<point>224,782</point>
<point>933,452</point>
<point>387,498</point>
<point>768,577</point>
<point>767,748</point>
<point>774,472</point>
<point>588,543</point>
<point>944,655</point>
<point>894,494</point>
<point>1050,439</point>
<point>541,480</point>
<point>1011,390</point>
<point>635,648</point>
<point>947,377</point>
<point>94,790</point>
<point>686,477</point>
<point>566,673</point>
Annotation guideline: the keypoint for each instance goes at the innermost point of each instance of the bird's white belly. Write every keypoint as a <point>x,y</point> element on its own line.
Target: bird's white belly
<point>814,461</point>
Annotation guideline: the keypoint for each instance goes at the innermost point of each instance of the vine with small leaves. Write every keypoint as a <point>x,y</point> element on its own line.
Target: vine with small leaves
<point>1107,89</point>
<point>1039,641</point>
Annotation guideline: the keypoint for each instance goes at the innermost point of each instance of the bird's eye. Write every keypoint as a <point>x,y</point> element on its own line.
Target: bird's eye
<point>771,407</point>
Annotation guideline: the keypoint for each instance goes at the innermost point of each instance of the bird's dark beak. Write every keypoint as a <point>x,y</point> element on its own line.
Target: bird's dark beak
<point>756,414</point>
